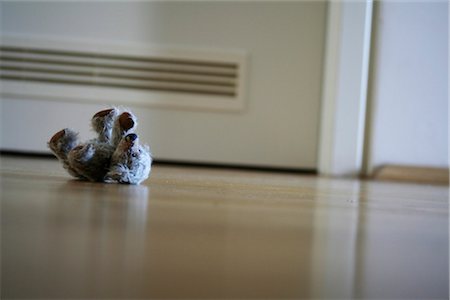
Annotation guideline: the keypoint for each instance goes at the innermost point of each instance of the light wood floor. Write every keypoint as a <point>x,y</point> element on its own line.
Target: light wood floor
<point>210,233</point>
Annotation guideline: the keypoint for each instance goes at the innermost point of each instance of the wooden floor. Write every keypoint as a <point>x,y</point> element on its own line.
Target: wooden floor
<point>212,233</point>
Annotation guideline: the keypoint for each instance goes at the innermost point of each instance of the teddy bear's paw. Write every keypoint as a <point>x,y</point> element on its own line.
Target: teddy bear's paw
<point>126,123</point>
<point>63,142</point>
<point>103,122</point>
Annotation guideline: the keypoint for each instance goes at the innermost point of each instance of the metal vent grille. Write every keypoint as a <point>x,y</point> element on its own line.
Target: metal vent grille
<point>123,77</point>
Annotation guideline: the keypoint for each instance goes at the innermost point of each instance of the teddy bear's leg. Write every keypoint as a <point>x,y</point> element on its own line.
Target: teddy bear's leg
<point>130,162</point>
<point>123,125</point>
<point>61,144</point>
<point>91,160</point>
<point>103,122</point>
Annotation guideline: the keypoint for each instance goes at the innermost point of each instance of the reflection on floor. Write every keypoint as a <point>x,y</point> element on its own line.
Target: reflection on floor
<point>215,233</point>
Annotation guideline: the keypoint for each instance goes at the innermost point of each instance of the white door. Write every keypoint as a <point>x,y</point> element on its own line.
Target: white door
<point>270,119</point>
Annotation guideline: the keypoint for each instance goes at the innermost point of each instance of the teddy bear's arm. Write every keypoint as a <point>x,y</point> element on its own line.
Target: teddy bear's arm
<point>125,124</point>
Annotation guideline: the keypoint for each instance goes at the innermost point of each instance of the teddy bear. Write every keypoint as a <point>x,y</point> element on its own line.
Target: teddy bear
<point>114,156</point>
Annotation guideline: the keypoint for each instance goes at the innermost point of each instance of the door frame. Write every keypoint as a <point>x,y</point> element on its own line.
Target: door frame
<point>344,91</point>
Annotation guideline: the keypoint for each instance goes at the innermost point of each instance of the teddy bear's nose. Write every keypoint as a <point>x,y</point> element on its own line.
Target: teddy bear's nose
<point>132,137</point>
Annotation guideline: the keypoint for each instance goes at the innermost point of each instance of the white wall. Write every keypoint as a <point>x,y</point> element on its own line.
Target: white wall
<point>284,42</point>
<point>410,85</point>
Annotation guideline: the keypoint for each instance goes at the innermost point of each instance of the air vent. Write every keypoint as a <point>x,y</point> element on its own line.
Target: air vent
<point>179,78</point>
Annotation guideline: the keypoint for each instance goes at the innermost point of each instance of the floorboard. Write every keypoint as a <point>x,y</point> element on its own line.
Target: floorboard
<point>200,233</point>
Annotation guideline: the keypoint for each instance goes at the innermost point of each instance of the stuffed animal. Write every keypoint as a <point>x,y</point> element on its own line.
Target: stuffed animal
<point>115,155</point>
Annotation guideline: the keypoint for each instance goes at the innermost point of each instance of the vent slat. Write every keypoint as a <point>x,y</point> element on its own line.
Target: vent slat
<point>119,64</point>
<point>118,83</point>
<point>53,53</point>
<point>117,73</point>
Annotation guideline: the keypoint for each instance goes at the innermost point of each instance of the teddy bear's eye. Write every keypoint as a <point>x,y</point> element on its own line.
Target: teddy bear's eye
<point>134,154</point>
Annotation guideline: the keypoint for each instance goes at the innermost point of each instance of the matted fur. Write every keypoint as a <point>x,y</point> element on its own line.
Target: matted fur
<point>115,155</point>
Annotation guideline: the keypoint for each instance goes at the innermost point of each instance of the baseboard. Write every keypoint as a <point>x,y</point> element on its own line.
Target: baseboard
<point>427,175</point>
<point>157,161</point>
